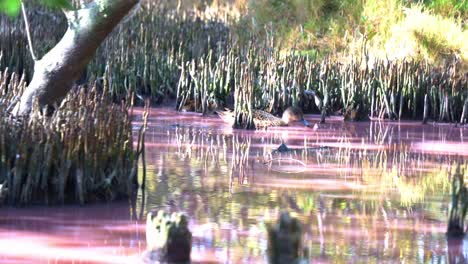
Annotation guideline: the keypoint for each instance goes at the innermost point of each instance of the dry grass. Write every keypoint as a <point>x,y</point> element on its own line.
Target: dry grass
<point>424,35</point>
<point>392,29</point>
<point>305,25</point>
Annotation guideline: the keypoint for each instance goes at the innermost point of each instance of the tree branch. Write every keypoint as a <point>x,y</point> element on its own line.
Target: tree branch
<point>28,32</point>
<point>56,72</point>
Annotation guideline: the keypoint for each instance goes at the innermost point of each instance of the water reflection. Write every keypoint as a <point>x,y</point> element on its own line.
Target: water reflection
<point>370,192</point>
<point>366,192</point>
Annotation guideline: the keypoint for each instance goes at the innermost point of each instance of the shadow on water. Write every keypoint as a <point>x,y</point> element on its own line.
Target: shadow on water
<point>366,192</point>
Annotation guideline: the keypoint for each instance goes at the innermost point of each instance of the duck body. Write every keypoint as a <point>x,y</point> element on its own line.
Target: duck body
<point>264,119</point>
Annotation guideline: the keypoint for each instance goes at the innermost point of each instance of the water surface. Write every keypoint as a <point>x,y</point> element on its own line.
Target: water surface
<point>373,192</point>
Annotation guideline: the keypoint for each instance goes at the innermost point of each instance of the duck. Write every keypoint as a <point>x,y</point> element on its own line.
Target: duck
<point>321,104</point>
<point>264,119</point>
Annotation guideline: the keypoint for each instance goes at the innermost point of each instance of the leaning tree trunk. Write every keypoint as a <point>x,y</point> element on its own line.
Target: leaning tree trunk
<point>55,74</point>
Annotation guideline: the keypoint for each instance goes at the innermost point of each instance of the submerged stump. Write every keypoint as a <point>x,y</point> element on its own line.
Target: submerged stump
<point>459,206</point>
<point>356,114</point>
<point>284,240</point>
<point>168,238</point>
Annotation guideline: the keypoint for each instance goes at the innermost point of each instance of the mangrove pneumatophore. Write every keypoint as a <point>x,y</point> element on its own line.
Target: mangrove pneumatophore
<point>82,153</point>
<point>195,60</point>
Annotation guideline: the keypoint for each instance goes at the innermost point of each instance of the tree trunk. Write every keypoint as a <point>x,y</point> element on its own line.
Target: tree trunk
<point>55,74</point>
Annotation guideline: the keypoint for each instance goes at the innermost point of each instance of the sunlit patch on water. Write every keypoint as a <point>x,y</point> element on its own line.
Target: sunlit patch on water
<point>442,148</point>
<point>93,234</point>
<point>366,192</point>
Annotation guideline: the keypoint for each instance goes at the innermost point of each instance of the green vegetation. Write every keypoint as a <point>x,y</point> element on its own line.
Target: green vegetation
<point>433,30</point>
<point>307,25</point>
<point>13,7</point>
<point>448,8</point>
<point>383,89</point>
<point>200,60</point>
<point>82,151</point>
<point>424,35</point>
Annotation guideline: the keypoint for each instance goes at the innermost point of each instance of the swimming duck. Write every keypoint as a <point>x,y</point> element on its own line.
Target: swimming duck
<point>264,119</point>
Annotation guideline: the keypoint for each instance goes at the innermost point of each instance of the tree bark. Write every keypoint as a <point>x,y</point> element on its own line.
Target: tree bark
<point>55,74</point>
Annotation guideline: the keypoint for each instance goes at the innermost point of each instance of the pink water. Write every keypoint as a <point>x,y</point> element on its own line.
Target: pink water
<point>365,192</point>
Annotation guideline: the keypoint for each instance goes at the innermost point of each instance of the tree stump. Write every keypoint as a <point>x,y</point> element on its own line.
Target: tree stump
<point>168,238</point>
<point>459,206</point>
<point>284,240</point>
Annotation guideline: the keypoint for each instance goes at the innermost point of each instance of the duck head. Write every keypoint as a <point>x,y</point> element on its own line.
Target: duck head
<point>293,113</point>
